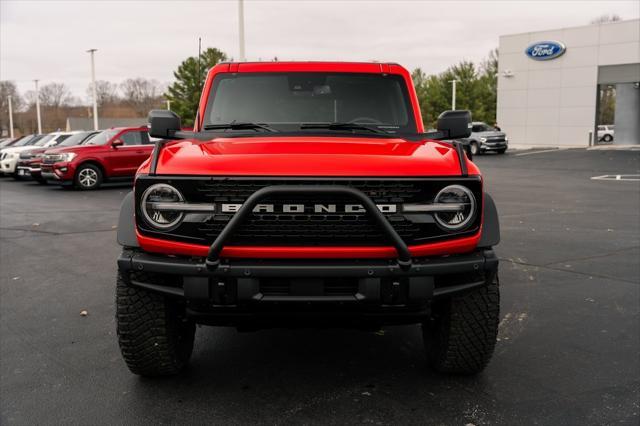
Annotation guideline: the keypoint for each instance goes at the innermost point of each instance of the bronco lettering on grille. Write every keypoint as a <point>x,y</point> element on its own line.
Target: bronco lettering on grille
<point>302,208</point>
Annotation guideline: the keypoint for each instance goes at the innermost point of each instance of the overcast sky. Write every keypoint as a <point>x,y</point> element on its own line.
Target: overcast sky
<point>48,39</point>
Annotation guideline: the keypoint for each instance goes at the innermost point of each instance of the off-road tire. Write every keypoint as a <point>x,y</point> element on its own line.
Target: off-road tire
<point>92,180</point>
<point>461,336</point>
<point>155,339</point>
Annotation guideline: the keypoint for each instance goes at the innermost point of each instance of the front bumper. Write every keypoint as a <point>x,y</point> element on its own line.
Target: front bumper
<point>252,293</point>
<point>8,165</point>
<point>27,168</point>
<point>58,172</point>
<point>494,146</point>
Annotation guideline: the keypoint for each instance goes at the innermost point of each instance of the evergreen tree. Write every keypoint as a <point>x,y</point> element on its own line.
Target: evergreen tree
<point>184,93</point>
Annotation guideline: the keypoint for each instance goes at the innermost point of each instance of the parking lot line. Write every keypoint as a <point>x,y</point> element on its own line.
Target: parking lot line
<point>540,152</point>
<point>633,178</point>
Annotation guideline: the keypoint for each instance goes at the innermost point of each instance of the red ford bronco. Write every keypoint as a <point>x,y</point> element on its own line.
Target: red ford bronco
<point>307,194</point>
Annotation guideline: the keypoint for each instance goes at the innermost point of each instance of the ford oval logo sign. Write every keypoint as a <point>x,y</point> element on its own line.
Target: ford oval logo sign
<point>545,50</point>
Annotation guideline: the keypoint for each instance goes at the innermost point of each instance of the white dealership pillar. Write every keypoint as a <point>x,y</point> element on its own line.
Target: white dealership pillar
<point>38,108</point>
<point>10,117</point>
<point>241,29</point>
<point>93,89</point>
<point>453,94</point>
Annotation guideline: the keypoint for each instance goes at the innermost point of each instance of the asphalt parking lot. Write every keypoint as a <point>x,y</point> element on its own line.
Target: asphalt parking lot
<point>568,350</point>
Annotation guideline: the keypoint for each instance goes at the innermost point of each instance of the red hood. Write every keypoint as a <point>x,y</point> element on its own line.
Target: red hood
<point>309,156</point>
<point>36,150</point>
<point>75,148</point>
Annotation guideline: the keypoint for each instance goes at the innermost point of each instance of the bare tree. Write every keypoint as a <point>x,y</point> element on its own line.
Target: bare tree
<point>141,94</point>
<point>603,19</point>
<point>106,92</point>
<point>55,95</point>
<point>8,88</point>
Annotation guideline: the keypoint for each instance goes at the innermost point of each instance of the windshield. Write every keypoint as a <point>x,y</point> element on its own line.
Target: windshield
<point>76,139</point>
<point>25,141</point>
<point>285,101</point>
<point>101,138</point>
<point>44,140</point>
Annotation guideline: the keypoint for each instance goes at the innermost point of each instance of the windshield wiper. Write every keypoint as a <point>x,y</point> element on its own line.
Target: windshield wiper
<point>342,126</point>
<point>240,126</point>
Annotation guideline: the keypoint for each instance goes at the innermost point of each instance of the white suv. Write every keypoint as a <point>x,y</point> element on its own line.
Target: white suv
<point>9,156</point>
<point>605,133</point>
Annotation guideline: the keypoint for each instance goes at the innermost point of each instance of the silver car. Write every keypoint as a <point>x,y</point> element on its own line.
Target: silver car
<point>486,138</point>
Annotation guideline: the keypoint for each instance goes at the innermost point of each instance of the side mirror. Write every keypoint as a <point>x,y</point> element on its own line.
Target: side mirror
<point>116,143</point>
<point>163,123</point>
<point>455,124</point>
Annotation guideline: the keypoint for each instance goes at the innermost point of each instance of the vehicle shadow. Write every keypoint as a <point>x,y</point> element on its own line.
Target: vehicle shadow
<point>274,375</point>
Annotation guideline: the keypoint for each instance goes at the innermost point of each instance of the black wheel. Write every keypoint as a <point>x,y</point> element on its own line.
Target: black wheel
<point>501,151</point>
<point>462,333</point>
<point>155,338</point>
<point>475,149</point>
<point>88,177</point>
<point>607,138</point>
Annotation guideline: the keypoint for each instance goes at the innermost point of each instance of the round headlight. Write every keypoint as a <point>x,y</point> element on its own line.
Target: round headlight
<point>456,219</point>
<point>156,206</point>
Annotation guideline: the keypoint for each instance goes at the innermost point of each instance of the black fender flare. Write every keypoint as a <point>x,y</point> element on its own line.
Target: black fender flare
<point>491,224</point>
<point>126,222</point>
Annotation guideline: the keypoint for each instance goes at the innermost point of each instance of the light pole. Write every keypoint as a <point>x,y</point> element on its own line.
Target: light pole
<point>38,108</point>
<point>168,105</point>
<point>241,29</point>
<point>453,94</point>
<point>10,117</point>
<point>93,89</point>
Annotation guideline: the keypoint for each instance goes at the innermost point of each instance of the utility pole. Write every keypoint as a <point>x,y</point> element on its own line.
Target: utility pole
<point>38,108</point>
<point>453,94</point>
<point>10,117</point>
<point>241,29</point>
<point>93,89</point>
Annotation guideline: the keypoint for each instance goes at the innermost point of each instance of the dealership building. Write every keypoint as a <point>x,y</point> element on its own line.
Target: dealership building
<point>555,87</point>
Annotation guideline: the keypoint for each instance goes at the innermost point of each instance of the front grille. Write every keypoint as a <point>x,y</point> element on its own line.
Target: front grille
<point>495,139</point>
<point>307,228</point>
<point>52,158</point>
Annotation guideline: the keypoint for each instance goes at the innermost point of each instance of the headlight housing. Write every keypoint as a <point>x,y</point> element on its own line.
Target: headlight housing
<point>68,156</point>
<point>483,139</point>
<point>456,220</point>
<point>156,206</point>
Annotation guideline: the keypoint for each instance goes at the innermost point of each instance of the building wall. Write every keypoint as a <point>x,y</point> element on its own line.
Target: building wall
<point>553,103</point>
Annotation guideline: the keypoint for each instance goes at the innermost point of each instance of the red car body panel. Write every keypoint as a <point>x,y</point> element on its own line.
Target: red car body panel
<point>310,156</point>
<point>121,161</point>
<point>304,156</point>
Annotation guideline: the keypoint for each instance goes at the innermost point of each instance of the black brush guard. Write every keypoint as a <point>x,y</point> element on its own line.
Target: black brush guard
<point>213,258</point>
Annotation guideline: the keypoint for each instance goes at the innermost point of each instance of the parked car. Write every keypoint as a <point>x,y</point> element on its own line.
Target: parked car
<point>30,161</point>
<point>10,141</point>
<point>110,156</point>
<point>605,133</point>
<point>486,138</point>
<point>9,156</point>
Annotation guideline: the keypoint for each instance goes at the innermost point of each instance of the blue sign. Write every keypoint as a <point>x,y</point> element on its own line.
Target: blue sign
<point>545,50</point>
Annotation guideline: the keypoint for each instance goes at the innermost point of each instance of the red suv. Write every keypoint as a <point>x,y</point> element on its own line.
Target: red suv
<point>110,156</point>
<point>308,194</point>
